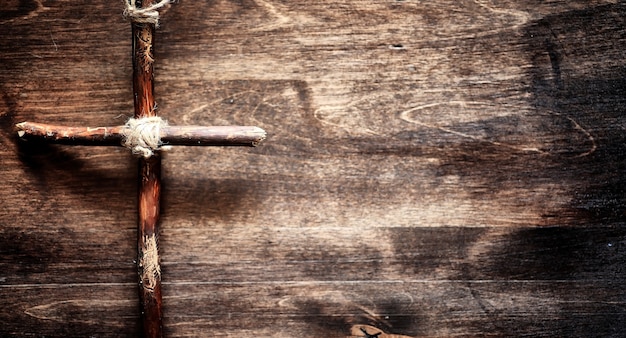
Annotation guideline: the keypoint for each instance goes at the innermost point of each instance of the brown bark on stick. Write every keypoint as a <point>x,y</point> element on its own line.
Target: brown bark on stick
<point>170,135</point>
<point>149,187</point>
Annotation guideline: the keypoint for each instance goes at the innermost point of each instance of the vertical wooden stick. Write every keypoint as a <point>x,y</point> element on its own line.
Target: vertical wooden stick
<point>150,185</point>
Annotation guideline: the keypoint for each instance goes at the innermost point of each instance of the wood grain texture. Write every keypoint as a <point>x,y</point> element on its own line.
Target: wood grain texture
<point>442,168</point>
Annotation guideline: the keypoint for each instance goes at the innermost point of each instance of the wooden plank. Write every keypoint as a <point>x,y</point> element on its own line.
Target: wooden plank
<point>432,169</point>
<point>431,282</point>
<point>70,310</point>
<point>331,309</point>
<point>483,282</point>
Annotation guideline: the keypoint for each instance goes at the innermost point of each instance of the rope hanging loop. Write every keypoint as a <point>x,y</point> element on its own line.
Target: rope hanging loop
<point>149,14</point>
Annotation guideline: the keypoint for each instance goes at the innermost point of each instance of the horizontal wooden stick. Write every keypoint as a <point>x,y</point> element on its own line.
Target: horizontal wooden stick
<point>170,135</point>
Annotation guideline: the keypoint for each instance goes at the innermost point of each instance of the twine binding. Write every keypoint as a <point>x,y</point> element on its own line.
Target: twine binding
<point>143,136</point>
<point>148,14</point>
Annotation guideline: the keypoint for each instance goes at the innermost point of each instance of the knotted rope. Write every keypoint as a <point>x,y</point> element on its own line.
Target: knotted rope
<point>143,136</point>
<point>149,14</point>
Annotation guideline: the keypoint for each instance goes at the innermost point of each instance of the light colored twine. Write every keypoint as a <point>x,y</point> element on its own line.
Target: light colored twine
<point>149,14</point>
<point>143,136</point>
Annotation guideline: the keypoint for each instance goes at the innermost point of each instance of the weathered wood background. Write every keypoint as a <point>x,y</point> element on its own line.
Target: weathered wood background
<point>433,168</point>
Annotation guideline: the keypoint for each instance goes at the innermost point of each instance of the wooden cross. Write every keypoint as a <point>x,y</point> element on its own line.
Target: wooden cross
<point>152,135</point>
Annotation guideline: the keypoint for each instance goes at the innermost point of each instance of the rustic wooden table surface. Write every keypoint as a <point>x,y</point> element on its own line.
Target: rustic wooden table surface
<point>433,168</point>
